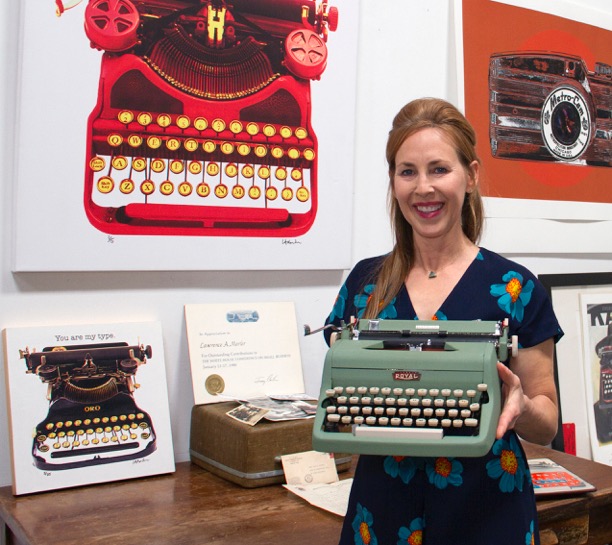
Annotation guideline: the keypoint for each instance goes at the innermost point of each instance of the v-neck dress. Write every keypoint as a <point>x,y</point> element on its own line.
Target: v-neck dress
<point>451,501</point>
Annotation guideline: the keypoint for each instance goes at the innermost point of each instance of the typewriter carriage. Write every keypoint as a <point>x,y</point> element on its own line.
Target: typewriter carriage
<point>119,26</point>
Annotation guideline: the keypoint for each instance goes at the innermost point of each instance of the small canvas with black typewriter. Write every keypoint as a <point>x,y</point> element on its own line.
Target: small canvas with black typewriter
<point>412,388</point>
<point>93,417</point>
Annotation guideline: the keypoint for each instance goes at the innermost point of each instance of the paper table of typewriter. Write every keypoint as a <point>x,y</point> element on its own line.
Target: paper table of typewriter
<point>203,120</point>
<point>412,388</point>
<point>93,417</point>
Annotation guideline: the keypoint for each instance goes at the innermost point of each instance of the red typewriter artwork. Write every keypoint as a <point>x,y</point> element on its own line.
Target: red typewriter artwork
<point>202,124</point>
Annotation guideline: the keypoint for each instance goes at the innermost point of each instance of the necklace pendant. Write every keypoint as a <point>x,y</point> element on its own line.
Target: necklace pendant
<point>432,274</point>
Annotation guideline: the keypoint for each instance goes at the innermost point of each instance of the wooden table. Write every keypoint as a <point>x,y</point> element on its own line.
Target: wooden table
<point>194,507</point>
<point>580,519</point>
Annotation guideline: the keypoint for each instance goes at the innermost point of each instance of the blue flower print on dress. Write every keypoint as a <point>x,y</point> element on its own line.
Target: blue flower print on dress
<point>362,526</point>
<point>513,296</point>
<point>413,535</point>
<point>339,304</point>
<point>361,301</point>
<point>444,471</point>
<point>400,466</point>
<point>530,536</point>
<point>509,466</point>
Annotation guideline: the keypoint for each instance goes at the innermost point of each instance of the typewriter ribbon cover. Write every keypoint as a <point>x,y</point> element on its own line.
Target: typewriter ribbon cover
<point>222,121</point>
<point>87,404</point>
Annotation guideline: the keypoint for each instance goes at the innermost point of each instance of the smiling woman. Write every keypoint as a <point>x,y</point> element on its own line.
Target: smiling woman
<point>437,271</point>
<point>429,185</point>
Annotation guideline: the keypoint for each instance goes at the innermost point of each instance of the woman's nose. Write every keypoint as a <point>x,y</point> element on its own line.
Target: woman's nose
<point>423,184</point>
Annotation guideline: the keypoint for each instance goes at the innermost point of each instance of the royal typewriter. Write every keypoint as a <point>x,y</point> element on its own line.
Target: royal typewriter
<point>203,120</point>
<point>418,388</point>
<point>93,417</point>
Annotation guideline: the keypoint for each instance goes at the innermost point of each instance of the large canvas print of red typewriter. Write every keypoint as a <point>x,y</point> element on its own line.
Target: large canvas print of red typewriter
<point>549,107</point>
<point>203,121</point>
<point>93,417</point>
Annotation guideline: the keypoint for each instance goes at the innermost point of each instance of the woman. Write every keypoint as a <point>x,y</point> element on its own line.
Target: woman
<point>436,271</point>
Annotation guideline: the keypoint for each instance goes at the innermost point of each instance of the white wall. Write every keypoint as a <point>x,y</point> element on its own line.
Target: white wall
<point>405,47</point>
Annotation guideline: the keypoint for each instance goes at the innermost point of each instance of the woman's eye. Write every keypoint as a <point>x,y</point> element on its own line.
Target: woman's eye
<point>406,172</point>
<point>440,170</point>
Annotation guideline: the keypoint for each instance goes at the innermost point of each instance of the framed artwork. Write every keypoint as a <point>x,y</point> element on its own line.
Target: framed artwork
<point>597,335</point>
<point>87,403</point>
<point>535,98</point>
<point>578,378</point>
<point>205,135</point>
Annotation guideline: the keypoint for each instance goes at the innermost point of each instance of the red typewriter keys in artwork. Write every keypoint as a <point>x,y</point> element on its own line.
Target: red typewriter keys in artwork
<point>203,119</point>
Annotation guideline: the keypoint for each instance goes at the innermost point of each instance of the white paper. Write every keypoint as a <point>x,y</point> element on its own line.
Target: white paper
<point>243,350</point>
<point>330,497</point>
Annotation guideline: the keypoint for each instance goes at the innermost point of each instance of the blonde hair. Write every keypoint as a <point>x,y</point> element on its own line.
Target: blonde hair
<point>414,116</point>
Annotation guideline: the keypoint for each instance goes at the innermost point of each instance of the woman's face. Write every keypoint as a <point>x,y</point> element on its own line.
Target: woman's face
<point>430,183</point>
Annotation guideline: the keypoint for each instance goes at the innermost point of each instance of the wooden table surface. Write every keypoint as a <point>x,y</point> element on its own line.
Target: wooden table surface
<point>562,518</point>
<point>195,507</point>
<point>189,507</point>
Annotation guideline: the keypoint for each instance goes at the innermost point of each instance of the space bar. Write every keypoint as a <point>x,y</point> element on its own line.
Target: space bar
<point>167,212</point>
<point>379,432</point>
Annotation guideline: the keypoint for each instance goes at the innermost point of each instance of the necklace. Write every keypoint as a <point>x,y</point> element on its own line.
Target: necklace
<point>432,274</point>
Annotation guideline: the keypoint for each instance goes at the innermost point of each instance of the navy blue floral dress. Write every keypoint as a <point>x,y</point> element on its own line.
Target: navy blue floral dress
<point>451,501</point>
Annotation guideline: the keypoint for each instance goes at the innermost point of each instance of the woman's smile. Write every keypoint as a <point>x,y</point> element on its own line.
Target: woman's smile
<point>428,210</point>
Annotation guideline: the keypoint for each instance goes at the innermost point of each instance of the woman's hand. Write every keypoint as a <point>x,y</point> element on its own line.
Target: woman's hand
<point>513,400</point>
<point>529,395</point>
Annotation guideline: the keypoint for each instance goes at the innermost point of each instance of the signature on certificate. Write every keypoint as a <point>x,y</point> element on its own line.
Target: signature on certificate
<point>267,379</point>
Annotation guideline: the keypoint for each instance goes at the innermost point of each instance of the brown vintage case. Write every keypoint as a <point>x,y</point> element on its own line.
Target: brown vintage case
<point>248,455</point>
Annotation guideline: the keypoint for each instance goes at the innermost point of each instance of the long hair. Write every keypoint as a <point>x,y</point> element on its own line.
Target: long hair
<point>414,116</point>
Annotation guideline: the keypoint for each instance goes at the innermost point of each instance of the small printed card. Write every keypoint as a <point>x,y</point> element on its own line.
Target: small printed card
<point>549,477</point>
<point>309,468</point>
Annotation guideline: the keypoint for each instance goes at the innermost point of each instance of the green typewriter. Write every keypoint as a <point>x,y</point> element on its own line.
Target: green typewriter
<point>412,388</point>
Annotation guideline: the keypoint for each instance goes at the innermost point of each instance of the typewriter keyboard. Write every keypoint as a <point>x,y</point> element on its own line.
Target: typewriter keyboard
<point>606,386</point>
<point>201,161</point>
<point>79,437</point>
<point>427,413</point>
